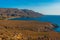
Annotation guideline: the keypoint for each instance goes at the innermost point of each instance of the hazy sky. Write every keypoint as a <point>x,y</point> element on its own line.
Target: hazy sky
<point>47,7</point>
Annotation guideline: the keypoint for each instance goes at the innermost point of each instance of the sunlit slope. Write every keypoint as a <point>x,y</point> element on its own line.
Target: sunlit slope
<point>27,30</point>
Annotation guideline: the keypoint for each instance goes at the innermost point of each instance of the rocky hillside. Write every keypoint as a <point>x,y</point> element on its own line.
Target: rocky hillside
<point>14,12</point>
<point>27,30</point>
<point>32,13</point>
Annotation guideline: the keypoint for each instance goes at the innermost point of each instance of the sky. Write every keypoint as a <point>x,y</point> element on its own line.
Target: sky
<point>46,7</point>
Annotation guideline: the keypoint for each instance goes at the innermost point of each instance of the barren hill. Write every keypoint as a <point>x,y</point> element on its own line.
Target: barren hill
<point>14,12</point>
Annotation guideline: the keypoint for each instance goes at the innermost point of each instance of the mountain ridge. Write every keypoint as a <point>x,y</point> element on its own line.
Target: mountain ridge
<point>14,12</point>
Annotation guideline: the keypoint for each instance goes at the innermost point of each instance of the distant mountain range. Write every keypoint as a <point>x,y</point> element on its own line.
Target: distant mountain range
<point>14,12</point>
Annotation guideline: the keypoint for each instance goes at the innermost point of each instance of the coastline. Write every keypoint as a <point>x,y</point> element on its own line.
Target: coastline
<point>11,18</point>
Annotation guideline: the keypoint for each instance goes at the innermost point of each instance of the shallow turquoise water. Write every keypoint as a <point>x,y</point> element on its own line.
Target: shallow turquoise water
<point>55,19</point>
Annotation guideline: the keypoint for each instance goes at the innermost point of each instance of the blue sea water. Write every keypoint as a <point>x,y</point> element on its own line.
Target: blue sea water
<point>55,19</point>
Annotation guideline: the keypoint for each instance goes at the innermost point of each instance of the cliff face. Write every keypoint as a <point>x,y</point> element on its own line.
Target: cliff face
<point>27,30</point>
<point>13,12</point>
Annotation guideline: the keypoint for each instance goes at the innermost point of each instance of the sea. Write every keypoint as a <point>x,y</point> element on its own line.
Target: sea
<point>54,19</point>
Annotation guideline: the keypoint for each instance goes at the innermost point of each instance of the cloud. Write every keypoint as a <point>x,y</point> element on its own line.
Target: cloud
<point>51,10</point>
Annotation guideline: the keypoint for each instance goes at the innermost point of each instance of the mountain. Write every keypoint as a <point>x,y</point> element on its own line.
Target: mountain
<point>14,12</point>
<point>32,13</point>
<point>27,30</point>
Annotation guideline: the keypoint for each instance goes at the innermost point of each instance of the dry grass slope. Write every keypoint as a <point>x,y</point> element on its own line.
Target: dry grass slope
<point>27,30</point>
